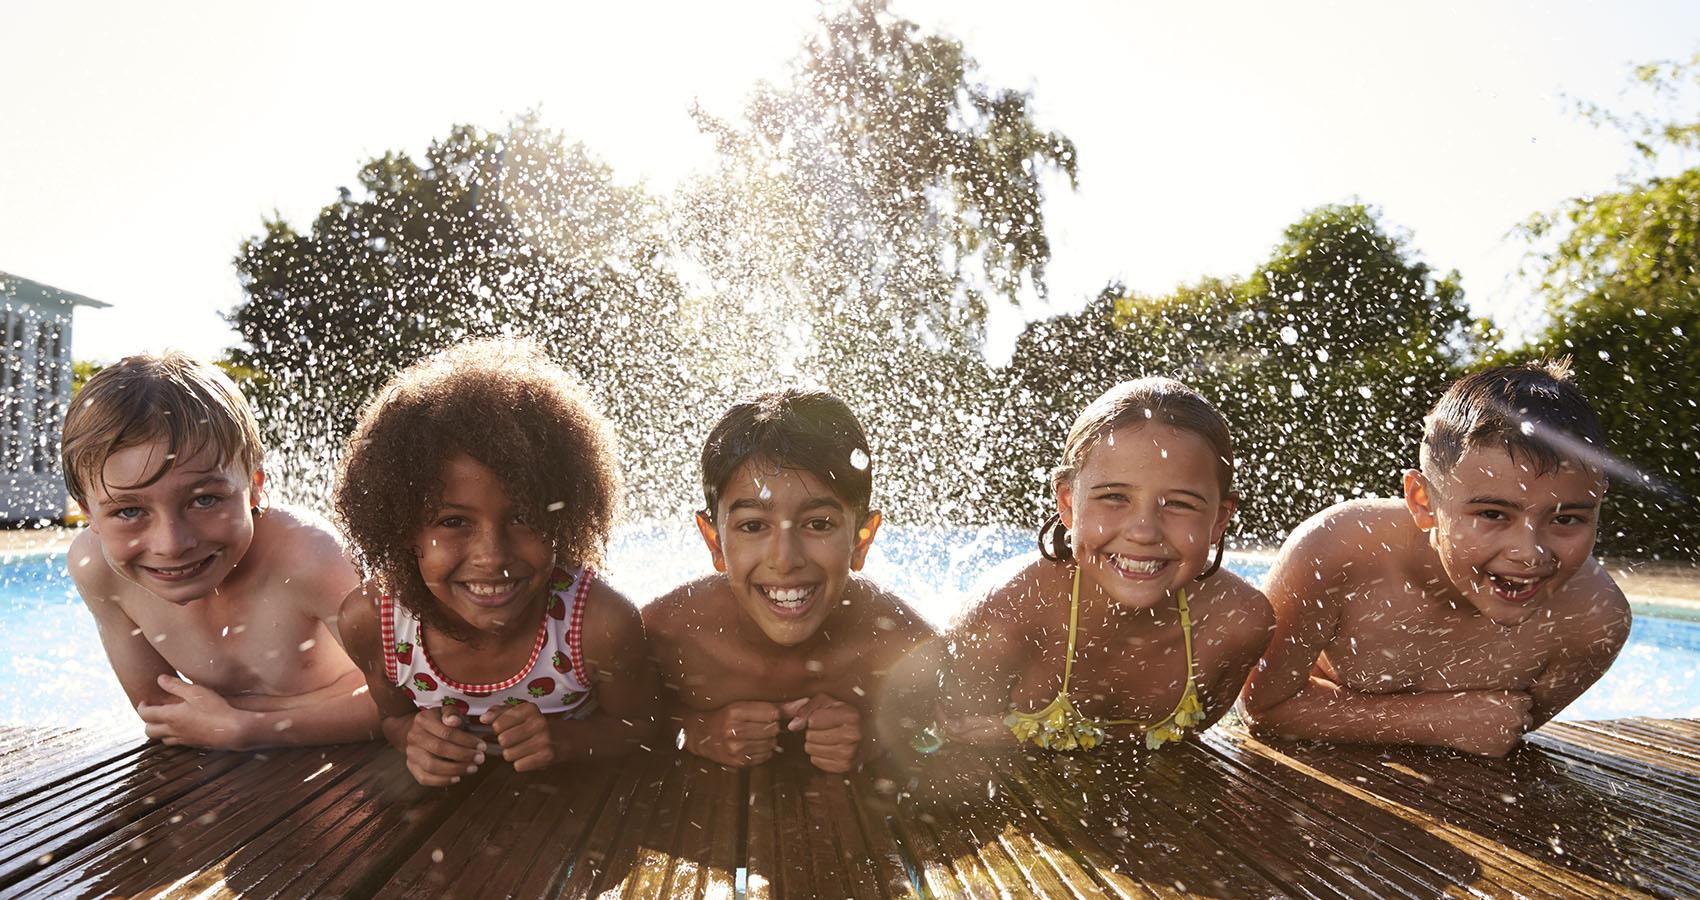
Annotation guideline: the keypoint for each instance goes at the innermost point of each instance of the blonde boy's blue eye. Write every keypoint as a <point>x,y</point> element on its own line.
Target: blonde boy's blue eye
<point>127,513</point>
<point>205,501</point>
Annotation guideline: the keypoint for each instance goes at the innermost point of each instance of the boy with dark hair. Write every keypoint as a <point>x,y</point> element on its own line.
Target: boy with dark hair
<point>784,637</point>
<point>1470,613</point>
<point>219,614</point>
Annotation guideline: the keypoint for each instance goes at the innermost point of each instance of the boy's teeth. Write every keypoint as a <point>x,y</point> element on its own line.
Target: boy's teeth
<point>788,596</point>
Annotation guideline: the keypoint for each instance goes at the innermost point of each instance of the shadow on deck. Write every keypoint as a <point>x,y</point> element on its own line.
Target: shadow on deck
<point>1582,809</point>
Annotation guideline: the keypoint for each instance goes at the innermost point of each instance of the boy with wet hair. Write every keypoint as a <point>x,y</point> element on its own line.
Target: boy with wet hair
<point>784,637</point>
<point>1472,612</point>
<point>217,613</point>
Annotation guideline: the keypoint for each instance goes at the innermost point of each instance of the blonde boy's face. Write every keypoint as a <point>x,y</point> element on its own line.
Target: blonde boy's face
<point>1507,535</point>
<point>180,537</point>
<point>787,545</point>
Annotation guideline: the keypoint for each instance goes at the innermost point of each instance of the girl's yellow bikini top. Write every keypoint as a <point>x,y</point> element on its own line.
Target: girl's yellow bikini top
<point>1059,726</point>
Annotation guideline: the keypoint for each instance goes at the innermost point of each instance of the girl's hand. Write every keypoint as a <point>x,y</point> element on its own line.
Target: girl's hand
<point>524,735</point>
<point>439,751</point>
<point>832,730</point>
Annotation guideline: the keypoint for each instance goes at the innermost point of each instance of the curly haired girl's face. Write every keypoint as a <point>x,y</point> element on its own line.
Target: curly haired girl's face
<point>478,554</point>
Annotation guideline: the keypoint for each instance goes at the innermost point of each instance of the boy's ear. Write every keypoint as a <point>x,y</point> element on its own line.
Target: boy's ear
<point>259,490</point>
<point>1419,499</point>
<point>865,539</point>
<point>711,537</point>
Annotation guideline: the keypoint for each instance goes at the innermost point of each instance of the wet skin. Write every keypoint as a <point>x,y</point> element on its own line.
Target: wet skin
<point>784,637</point>
<point>1464,616</point>
<point>488,569</point>
<point>184,579</point>
<point>1144,514</point>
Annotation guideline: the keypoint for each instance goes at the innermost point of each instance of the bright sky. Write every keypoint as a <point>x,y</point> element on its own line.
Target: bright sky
<point>140,143</point>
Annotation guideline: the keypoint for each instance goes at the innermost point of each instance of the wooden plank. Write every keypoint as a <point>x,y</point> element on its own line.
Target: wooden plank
<point>200,821</point>
<point>345,841</point>
<point>874,796</point>
<point>41,829</point>
<point>1426,800</point>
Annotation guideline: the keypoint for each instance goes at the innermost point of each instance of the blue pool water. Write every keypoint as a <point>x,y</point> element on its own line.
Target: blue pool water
<point>54,672</point>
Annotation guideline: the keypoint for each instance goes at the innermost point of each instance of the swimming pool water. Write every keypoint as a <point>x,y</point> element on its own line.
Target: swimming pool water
<point>53,671</point>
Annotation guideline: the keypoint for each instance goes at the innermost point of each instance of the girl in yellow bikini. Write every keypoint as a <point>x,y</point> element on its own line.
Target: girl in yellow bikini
<point>1127,625</point>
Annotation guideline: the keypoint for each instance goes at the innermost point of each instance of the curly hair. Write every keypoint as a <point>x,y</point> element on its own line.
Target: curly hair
<point>504,404</point>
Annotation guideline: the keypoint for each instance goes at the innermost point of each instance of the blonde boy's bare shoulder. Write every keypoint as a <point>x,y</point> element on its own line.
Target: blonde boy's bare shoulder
<point>90,572</point>
<point>299,551</point>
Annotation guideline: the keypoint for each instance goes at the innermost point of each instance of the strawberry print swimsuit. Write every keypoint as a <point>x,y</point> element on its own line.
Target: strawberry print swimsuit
<point>553,679</point>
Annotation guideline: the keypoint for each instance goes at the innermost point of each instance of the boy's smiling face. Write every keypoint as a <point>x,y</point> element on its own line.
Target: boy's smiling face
<point>787,544</point>
<point>1507,535</point>
<point>180,537</point>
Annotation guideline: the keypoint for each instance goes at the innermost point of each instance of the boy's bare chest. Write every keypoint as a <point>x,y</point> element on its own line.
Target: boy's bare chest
<point>1392,644</point>
<point>237,648</point>
<point>719,672</point>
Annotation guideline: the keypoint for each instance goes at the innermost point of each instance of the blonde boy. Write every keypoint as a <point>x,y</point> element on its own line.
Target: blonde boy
<point>218,614</point>
<point>1471,612</point>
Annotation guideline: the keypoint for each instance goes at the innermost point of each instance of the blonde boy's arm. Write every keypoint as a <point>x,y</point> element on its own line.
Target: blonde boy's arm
<point>137,664</point>
<point>1591,644</point>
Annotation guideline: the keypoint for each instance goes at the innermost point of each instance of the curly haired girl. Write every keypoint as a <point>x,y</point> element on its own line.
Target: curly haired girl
<point>478,490</point>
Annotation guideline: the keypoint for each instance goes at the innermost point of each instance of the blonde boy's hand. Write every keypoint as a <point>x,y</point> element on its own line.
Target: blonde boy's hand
<point>439,751</point>
<point>1498,720</point>
<point>200,717</point>
<point>741,733</point>
<point>832,730</point>
<point>523,734</point>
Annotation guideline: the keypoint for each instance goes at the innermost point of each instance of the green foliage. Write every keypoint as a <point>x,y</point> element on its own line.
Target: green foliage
<point>516,232</point>
<point>862,218</point>
<point>1324,361</point>
<point>1617,271</point>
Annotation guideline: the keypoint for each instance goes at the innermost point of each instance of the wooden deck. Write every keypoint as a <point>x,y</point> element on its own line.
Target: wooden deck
<point>1584,809</point>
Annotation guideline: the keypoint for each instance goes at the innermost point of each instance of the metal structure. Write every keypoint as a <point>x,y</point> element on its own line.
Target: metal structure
<point>35,388</point>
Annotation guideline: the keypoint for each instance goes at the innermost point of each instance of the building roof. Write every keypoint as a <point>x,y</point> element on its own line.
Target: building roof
<point>34,293</point>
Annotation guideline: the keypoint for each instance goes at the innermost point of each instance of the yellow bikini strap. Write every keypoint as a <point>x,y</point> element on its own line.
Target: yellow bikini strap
<point>1073,620</point>
<point>1186,634</point>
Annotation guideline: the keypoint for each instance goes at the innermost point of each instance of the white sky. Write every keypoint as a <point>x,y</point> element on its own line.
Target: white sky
<point>140,143</point>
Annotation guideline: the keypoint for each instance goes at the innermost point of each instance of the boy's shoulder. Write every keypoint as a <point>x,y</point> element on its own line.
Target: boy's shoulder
<point>1351,541</point>
<point>883,610</point>
<point>672,614</point>
<point>1591,599</point>
<point>90,572</point>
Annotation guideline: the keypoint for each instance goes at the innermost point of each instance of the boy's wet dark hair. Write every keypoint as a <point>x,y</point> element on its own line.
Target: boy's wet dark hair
<point>171,397</point>
<point>799,429</point>
<point>1532,410</point>
<point>1136,402</point>
<point>504,404</point>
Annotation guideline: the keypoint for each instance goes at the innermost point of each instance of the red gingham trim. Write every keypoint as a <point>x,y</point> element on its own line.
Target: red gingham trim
<point>386,620</point>
<point>484,689</point>
<point>575,633</point>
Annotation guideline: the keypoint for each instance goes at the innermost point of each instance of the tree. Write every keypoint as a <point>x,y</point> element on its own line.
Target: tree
<point>862,218</point>
<point>1617,270</point>
<point>1323,361</point>
<point>515,232</point>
